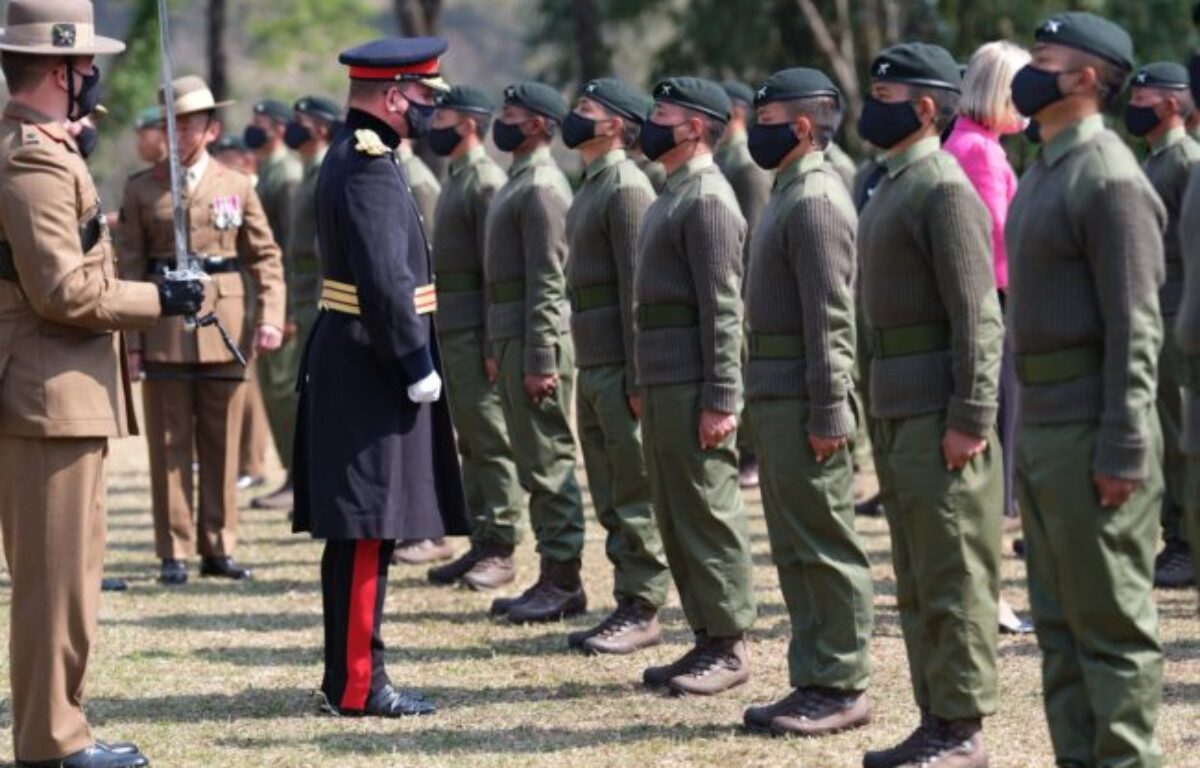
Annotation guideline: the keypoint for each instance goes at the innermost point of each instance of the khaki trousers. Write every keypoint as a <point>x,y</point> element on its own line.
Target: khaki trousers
<point>52,510</point>
<point>193,418</point>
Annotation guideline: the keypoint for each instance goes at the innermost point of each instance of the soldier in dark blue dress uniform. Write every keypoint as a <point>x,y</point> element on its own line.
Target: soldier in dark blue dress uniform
<point>375,454</point>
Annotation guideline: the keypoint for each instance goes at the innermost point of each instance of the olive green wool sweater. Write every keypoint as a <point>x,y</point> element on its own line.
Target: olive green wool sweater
<point>1168,166</point>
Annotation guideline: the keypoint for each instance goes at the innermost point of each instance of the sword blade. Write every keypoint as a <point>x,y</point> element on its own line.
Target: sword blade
<point>182,261</point>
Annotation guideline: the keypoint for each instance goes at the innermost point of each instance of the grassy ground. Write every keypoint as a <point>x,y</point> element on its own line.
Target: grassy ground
<point>221,674</point>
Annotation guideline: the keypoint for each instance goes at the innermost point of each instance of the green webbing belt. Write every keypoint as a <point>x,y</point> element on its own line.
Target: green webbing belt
<point>776,346</point>
<point>653,316</point>
<point>1063,365</point>
<point>462,282</point>
<point>595,296</point>
<point>911,340</point>
<point>507,291</point>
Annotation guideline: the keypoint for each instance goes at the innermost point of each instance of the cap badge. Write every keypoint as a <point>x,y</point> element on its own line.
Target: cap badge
<point>1052,26</point>
<point>1141,78</point>
<point>665,90</point>
<point>510,92</point>
<point>63,35</point>
<point>762,92</point>
<point>591,88</point>
<point>883,68</point>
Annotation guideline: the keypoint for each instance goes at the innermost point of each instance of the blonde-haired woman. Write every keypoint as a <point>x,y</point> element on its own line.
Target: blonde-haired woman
<point>986,113</point>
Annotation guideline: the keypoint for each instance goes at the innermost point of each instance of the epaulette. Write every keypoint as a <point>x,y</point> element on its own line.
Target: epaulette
<point>367,142</point>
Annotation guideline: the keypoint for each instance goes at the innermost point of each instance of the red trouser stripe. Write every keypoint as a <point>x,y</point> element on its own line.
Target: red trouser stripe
<point>363,589</point>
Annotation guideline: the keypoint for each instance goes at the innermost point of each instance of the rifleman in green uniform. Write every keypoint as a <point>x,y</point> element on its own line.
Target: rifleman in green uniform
<point>1085,256</point>
<point>461,123</point>
<point>1160,103</point>
<point>687,352</point>
<point>1187,331</point>
<point>800,317</point>
<point>602,231</point>
<point>532,354</point>
<point>929,299</point>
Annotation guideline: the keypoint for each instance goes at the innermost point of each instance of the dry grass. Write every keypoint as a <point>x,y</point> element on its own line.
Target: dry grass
<point>220,674</point>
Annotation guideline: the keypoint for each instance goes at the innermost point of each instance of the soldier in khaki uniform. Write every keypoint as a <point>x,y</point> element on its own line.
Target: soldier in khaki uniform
<point>1160,102</point>
<point>194,390</point>
<point>64,389</point>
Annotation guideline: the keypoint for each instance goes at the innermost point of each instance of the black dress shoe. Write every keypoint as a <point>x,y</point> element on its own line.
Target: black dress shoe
<point>385,702</point>
<point>113,585</point>
<point>223,568</point>
<point>99,755</point>
<point>120,747</point>
<point>173,572</point>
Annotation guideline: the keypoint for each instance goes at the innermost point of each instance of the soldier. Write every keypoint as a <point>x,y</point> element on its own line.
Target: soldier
<point>230,150</point>
<point>375,454</point>
<point>929,300</point>
<point>1085,254</point>
<point>425,190</point>
<point>1187,331</point>
<point>194,391</point>
<point>602,231</point>
<point>151,140</point>
<point>279,174</point>
<point>531,352</point>
<point>460,125</point>
<point>687,352</point>
<point>752,186</point>
<point>65,388</point>
<point>800,315</point>
<point>1160,103</point>
<point>308,134</point>
<point>654,171</point>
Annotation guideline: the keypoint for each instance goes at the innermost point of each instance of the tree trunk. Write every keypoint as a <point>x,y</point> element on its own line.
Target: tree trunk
<point>839,51</point>
<point>589,46</point>
<point>218,54</point>
<point>418,18</point>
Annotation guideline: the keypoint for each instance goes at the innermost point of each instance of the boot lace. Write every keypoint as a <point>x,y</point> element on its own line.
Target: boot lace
<point>618,621</point>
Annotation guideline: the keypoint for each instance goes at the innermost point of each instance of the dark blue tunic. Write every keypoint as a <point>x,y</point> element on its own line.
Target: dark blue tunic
<point>370,463</point>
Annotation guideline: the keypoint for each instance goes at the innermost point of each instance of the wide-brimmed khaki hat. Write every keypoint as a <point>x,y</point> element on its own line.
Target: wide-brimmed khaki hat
<point>54,28</point>
<point>192,95</point>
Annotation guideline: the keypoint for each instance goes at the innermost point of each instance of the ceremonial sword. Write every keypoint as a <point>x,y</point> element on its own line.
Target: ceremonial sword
<point>187,265</point>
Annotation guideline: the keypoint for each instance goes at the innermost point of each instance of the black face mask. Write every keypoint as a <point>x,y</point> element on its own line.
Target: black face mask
<point>87,140</point>
<point>443,141</point>
<point>1033,132</point>
<point>1194,71</point>
<point>769,144</point>
<point>885,124</point>
<point>419,118</point>
<point>90,90</point>
<point>1140,121</point>
<point>657,140</point>
<point>296,135</point>
<point>507,136</point>
<point>577,130</point>
<point>255,137</point>
<point>1035,89</point>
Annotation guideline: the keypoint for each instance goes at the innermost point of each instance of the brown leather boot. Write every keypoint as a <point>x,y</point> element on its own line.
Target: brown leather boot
<point>823,711</point>
<point>502,605</point>
<point>953,744</point>
<point>903,753</point>
<point>722,665</point>
<point>560,595</point>
<point>757,719</point>
<point>656,677</point>
<point>630,628</point>
<point>495,568</point>
<point>457,568</point>
<point>421,551</point>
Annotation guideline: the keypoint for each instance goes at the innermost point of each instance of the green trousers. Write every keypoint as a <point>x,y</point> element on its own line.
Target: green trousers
<point>1170,417</point>
<point>488,468</point>
<point>823,569</point>
<point>946,539</point>
<point>616,471</point>
<point>699,510</point>
<point>277,374</point>
<point>1090,587</point>
<point>544,449</point>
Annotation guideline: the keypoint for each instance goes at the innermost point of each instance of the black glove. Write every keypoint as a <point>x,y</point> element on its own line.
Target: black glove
<point>180,297</point>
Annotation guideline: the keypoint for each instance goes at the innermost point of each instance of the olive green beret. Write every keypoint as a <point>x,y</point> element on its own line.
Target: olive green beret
<point>320,108</point>
<point>467,98</point>
<point>1163,74</point>
<point>617,96</point>
<point>537,97</point>
<point>1089,33</point>
<point>738,92</point>
<point>697,94</point>
<point>796,83</point>
<point>274,109</point>
<point>150,117</point>
<point>920,64</point>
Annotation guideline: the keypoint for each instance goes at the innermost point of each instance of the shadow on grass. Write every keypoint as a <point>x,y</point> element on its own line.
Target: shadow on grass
<point>214,622</point>
<point>1181,693</point>
<point>514,740</point>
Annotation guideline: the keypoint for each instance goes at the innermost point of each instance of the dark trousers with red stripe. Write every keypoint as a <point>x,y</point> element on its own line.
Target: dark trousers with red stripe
<point>353,582</point>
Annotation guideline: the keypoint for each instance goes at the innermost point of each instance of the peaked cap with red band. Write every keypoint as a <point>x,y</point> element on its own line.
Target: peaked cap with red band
<point>398,59</point>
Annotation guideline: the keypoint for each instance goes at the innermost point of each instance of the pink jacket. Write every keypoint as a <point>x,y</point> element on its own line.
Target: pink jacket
<point>978,151</point>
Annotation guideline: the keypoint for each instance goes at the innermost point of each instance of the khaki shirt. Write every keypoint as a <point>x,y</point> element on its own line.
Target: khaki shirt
<point>224,219</point>
<point>62,368</point>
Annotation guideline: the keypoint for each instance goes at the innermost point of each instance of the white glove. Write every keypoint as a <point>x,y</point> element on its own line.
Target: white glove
<point>427,390</point>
